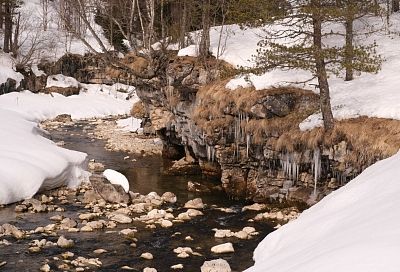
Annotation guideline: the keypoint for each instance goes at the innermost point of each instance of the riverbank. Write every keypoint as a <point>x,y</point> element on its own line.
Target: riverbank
<point>97,234</point>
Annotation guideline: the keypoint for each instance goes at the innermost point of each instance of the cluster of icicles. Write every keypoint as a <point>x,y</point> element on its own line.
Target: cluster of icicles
<point>290,163</point>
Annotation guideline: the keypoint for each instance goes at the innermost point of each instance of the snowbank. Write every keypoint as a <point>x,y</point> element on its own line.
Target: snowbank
<point>130,124</point>
<point>95,101</point>
<point>356,228</point>
<point>30,162</point>
<point>7,71</point>
<point>61,81</point>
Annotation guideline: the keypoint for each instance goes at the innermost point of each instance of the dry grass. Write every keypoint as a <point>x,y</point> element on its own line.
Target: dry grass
<point>368,139</point>
<point>138,110</point>
<point>217,108</point>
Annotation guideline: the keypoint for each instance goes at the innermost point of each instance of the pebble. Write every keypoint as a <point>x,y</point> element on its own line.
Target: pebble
<point>177,266</point>
<point>120,218</point>
<point>149,269</point>
<point>64,243</point>
<point>166,224</point>
<point>218,265</point>
<point>99,251</point>
<point>45,268</point>
<point>223,248</point>
<point>196,203</point>
<point>125,267</point>
<point>147,256</point>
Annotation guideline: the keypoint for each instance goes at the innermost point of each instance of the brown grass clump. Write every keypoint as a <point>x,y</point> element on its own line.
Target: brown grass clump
<point>217,108</point>
<point>138,110</point>
<point>368,139</point>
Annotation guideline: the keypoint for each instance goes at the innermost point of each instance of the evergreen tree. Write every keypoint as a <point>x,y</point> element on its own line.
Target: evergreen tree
<point>298,43</point>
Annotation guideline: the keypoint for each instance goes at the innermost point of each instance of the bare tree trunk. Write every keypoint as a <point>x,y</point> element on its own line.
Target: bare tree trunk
<point>349,49</point>
<point>205,35</point>
<point>7,27</point>
<point>395,5</point>
<point>15,46</point>
<point>325,101</point>
<point>183,28</point>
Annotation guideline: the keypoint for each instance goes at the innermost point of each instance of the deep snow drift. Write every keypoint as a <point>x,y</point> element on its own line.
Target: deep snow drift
<point>356,228</point>
<point>30,162</point>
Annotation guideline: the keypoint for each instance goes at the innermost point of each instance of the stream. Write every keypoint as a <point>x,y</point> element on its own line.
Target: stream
<point>145,175</point>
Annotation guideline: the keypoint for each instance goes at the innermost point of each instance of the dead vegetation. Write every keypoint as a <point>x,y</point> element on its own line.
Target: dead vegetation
<point>220,110</point>
<point>138,110</point>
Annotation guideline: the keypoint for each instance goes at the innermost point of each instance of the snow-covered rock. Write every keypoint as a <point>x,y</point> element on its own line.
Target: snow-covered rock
<point>62,81</point>
<point>116,178</point>
<point>356,228</point>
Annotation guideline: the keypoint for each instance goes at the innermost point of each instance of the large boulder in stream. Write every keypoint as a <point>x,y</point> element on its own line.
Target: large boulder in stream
<point>112,193</point>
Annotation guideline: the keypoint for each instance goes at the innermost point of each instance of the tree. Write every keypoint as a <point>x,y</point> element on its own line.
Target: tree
<point>204,46</point>
<point>296,40</point>
<point>395,5</point>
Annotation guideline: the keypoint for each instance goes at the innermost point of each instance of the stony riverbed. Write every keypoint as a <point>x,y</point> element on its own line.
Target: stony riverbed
<point>165,227</point>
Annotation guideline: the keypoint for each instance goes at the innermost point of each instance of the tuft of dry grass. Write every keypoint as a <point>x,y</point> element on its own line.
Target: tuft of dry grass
<point>138,110</point>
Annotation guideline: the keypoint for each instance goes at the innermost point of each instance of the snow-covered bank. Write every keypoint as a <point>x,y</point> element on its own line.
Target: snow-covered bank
<point>97,101</point>
<point>356,228</point>
<point>30,163</point>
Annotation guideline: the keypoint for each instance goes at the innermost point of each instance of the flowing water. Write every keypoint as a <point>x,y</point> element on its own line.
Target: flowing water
<point>145,175</point>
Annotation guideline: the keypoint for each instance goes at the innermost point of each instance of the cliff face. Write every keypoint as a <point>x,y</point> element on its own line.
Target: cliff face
<point>247,138</point>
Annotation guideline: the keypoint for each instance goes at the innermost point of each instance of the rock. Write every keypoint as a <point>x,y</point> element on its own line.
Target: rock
<point>223,248</point>
<point>67,255</point>
<point>112,193</point>
<point>66,91</point>
<point>120,218</point>
<point>169,197</point>
<point>177,266</point>
<point>99,251</point>
<point>91,196</point>
<point>128,232</point>
<point>147,256</point>
<point>188,238</point>
<point>194,213</point>
<point>241,235</point>
<point>20,208</point>
<point>222,233</point>
<point>218,265</point>
<point>254,207</point>
<point>196,203</point>
<point>87,216</point>
<point>8,229</point>
<point>34,249</point>
<point>2,263</point>
<point>83,262</point>
<point>86,228</point>
<point>67,223</point>
<point>96,224</point>
<point>125,267</point>
<point>166,224</point>
<point>45,268</point>
<point>64,243</point>
<point>149,269</point>
<point>56,218</point>
<point>249,230</point>
<point>95,166</point>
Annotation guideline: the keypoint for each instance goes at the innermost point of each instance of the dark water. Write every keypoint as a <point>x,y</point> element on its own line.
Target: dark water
<point>145,175</point>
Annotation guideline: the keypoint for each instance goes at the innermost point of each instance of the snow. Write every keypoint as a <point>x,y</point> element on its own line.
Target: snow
<point>356,228</point>
<point>7,69</point>
<point>30,162</point>
<point>116,178</point>
<point>61,81</point>
<point>130,124</point>
<point>372,95</point>
<point>95,101</point>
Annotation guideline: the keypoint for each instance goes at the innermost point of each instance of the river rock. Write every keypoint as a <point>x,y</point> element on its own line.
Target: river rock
<point>223,248</point>
<point>120,218</point>
<point>249,230</point>
<point>166,224</point>
<point>64,243</point>
<point>169,197</point>
<point>254,207</point>
<point>196,203</point>
<point>45,268</point>
<point>8,229</point>
<point>147,256</point>
<point>177,266</point>
<point>99,251</point>
<point>111,193</point>
<point>223,233</point>
<point>67,223</point>
<point>149,269</point>
<point>218,265</point>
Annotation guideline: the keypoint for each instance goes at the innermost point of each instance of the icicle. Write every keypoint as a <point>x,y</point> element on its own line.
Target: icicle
<point>317,168</point>
<point>248,142</point>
